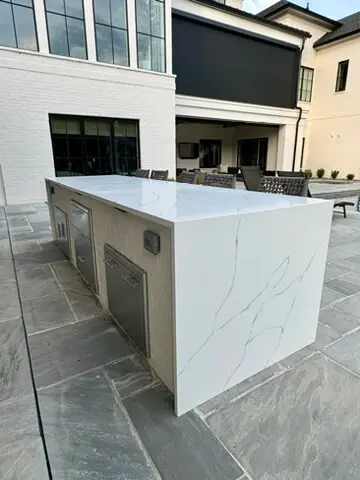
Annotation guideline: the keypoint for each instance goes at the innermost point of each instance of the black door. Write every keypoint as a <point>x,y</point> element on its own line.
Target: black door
<point>253,152</point>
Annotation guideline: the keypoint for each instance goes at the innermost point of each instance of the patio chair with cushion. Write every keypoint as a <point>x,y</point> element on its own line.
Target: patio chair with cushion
<point>159,174</point>
<point>220,180</point>
<point>294,186</point>
<point>251,177</point>
<point>142,173</point>
<point>188,177</point>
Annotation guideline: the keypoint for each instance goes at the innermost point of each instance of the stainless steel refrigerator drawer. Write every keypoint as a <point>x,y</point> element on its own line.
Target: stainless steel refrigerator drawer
<point>62,230</point>
<point>85,258</point>
<point>127,296</point>
<point>80,218</point>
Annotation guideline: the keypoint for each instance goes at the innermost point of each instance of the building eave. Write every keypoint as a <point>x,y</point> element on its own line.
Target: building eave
<point>254,18</point>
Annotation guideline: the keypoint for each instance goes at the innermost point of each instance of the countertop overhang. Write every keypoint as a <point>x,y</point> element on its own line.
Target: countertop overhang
<point>169,202</point>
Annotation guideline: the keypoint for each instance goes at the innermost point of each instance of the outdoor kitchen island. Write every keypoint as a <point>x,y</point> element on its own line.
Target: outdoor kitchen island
<point>213,285</point>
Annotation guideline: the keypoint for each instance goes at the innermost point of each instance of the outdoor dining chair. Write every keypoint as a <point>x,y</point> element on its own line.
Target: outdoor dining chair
<point>294,186</point>
<point>142,173</point>
<point>251,177</point>
<point>219,180</point>
<point>159,174</point>
<point>188,177</point>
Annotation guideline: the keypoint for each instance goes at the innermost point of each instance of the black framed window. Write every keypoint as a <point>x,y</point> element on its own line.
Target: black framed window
<point>253,152</point>
<point>306,84</point>
<point>111,31</point>
<point>210,153</point>
<point>17,24</point>
<point>150,27</point>
<point>66,28</point>
<point>342,74</point>
<point>94,146</point>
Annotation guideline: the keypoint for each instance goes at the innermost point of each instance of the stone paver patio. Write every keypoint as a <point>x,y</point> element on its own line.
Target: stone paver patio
<point>105,416</point>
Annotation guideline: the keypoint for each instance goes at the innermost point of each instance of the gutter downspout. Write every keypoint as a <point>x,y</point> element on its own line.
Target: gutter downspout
<point>300,115</point>
<point>296,136</point>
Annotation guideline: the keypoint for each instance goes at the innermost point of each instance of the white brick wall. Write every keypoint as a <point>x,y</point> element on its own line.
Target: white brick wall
<point>34,85</point>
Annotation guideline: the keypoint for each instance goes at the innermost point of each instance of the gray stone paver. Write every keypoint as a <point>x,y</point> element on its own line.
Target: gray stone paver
<point>297,406</point>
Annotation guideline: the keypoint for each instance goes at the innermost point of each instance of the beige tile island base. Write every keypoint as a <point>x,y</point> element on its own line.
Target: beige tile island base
<point>125,232</point>
<point>212,285</point>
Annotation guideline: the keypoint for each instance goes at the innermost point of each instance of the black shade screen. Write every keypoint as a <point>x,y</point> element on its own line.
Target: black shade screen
<point>215,62</point>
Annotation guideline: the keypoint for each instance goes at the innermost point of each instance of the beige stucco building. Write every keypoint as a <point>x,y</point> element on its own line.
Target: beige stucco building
<point>330,85</point>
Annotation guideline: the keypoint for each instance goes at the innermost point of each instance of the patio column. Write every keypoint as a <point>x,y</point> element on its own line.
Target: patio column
<point>285,147</point>
<point>286,142</point>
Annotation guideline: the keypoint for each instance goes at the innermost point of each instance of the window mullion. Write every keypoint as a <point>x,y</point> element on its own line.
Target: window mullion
<point>13,17</point>
<point>67,35</point>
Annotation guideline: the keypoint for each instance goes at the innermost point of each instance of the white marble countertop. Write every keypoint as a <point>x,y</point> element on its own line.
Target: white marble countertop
<point>171,202</point>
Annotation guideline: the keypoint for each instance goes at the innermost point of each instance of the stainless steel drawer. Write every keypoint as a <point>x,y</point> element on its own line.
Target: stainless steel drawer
<point>127,296</point>
<point>85,258</point>
<point>62,230</point>
<point>80,217</point>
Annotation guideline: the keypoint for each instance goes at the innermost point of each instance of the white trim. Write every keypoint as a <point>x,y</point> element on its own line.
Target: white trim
<point>79,61</point>
<point>41,26</point>
<point>214,13</point>
<point>168,36</point>
<point>206,108</point>
<point>90,29</point>
<point>132,36</point>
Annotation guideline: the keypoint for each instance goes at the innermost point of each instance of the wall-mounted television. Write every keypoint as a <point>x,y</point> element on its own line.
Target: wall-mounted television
<point>188,150</point>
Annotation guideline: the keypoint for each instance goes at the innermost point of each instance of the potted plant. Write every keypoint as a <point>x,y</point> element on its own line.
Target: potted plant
<point>350,176</point>
<point>320,173</point>
<point>334,174</point>
<point>308,173</point>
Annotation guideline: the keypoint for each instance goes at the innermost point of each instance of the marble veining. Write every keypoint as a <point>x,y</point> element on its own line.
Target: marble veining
<point>269,291</point>
<point>173,202</point>
<point>264,298</point>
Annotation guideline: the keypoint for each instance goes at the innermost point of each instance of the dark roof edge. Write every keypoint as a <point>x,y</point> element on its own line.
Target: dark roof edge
<point>322,42</point>
<point>254,18</point>
<point>299,9</point>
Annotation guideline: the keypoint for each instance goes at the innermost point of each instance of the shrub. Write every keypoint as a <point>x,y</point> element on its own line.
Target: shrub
<point>334,174</point>
<point>350,176</point>
<point>308,173</point>
<point>320,173</point>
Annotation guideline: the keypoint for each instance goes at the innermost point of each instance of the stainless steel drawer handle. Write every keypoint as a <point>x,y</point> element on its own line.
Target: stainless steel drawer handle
<point>59,230</point>
<point>111,263</point>
<point>82,259</point>
<point>130,281</point>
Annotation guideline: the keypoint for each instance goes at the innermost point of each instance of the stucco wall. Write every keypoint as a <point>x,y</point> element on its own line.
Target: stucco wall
<point>334,124</point>
<point>192,132</point>
<point>293,19</point>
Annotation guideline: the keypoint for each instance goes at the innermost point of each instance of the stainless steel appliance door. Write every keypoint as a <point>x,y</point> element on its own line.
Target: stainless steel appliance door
<point>85,258</point>
<point>127,297</point>
<point>62,230</point>
<point>80,217</point>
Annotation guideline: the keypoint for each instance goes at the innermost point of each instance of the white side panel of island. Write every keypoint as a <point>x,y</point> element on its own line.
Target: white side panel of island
<point>247,294</point>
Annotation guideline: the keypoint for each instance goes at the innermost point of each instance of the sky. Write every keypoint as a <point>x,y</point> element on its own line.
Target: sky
<point>329,8</point>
